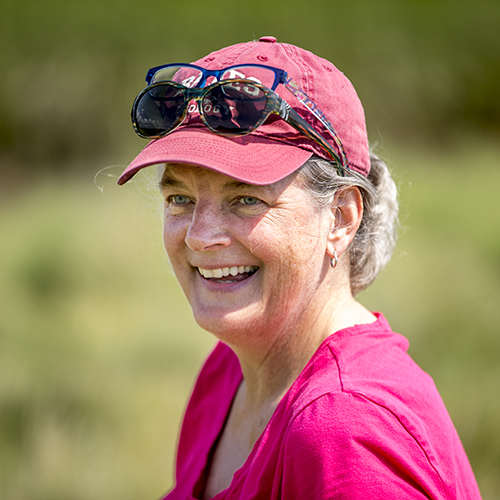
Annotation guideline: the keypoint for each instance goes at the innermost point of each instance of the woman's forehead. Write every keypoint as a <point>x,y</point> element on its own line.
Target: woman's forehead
<point>176,174</point>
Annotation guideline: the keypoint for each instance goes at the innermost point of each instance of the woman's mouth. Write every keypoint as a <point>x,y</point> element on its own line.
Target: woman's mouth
<point>228,274</point>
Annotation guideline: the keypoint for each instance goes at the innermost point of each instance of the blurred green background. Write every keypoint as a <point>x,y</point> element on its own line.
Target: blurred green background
<point>98,350</point>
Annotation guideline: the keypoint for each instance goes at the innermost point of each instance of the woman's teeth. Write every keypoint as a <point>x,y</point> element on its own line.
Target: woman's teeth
<point>226,271</point>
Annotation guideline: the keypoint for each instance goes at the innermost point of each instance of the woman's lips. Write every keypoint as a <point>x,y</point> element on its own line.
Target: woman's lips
<point>228,274</point>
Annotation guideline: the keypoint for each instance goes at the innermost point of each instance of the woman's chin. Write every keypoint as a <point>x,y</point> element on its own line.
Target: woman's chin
<point>226,323</point>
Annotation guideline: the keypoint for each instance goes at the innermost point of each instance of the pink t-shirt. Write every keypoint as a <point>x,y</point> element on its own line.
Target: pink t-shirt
<point>362,421</point>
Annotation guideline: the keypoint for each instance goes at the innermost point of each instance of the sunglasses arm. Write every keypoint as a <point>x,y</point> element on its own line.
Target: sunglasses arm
<point>298,123</point>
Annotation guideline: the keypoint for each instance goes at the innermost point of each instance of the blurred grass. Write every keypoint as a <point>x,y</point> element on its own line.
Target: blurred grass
<point>98,350</point>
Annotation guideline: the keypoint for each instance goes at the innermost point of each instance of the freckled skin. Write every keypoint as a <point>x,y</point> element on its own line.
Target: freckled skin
<point>211,221</point>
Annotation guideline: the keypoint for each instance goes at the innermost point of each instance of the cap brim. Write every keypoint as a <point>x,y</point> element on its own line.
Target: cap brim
<point>254,159</point>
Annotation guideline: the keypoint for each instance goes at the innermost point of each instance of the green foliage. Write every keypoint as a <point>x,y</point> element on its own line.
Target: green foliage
<point>98,349</point>
<point>426,70</point>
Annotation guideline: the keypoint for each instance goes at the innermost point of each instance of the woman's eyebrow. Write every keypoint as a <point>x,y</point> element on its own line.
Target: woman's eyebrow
<point>170,182</point>
<point>236,185</point>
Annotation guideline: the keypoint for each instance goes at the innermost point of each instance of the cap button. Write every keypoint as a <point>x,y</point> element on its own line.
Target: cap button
<point>268,39</point>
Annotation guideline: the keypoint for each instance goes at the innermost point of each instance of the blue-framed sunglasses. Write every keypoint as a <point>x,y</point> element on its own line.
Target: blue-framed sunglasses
<point>232,101</point>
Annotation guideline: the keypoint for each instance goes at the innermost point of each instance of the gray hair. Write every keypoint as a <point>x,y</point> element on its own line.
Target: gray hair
<point>375,240</point>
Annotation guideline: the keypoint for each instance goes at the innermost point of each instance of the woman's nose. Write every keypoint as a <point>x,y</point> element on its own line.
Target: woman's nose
<point>206,230</point>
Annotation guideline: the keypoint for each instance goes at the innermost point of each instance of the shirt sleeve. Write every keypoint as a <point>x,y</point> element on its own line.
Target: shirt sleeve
<point>343,446</point>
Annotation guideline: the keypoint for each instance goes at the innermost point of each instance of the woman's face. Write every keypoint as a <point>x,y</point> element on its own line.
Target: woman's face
<point>249,258</point>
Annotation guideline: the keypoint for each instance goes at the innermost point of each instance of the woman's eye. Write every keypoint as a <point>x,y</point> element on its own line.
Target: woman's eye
<point>249,200</point>
<point>178,199</point>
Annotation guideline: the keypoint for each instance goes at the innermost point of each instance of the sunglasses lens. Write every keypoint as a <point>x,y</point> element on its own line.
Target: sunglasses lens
<point>191,77</point>
<point>234,108</point>
<point>159,110</point>
<point>258,74</point>
<point>185,75</point>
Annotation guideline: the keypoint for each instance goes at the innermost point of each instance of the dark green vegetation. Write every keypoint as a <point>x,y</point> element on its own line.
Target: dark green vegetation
<point>98,350</point>
<point>427,71</point>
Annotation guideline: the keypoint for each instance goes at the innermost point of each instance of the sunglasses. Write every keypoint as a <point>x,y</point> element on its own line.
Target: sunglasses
<point>233,101</point>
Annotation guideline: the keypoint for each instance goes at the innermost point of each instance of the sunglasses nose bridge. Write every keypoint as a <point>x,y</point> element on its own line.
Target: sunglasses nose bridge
<point>193,102</point>
<point>194,96</point>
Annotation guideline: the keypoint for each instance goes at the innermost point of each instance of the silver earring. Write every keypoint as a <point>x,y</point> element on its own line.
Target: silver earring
<point>334,260</point>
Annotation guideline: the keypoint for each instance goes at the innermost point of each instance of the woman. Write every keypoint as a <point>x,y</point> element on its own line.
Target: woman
<point>276,216</point>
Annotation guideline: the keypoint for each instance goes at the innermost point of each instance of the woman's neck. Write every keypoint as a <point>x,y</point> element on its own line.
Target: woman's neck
<point>266,381</point>
<point>268,376</point>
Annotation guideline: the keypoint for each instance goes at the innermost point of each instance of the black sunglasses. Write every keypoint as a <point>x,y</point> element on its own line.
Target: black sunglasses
<point>229,107</point>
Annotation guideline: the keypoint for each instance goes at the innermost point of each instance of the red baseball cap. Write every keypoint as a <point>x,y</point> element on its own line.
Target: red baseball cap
<point>275,149</point>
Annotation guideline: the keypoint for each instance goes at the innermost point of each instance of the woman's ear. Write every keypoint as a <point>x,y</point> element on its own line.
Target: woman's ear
<point>347,213</point>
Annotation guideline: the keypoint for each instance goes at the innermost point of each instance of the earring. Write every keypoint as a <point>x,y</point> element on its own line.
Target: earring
<point>334,260</point>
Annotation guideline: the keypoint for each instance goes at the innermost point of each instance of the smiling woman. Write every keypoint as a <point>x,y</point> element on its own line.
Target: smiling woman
<point>275,217</point>
<point>278,239</point>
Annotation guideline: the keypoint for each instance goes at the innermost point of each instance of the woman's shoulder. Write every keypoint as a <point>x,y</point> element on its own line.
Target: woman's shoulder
<point>362,407</point>
<point>362,446</point>
<point>360,358</point>
<point>366,370</point>
<point>368,359</point>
